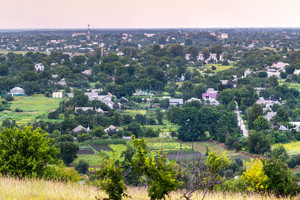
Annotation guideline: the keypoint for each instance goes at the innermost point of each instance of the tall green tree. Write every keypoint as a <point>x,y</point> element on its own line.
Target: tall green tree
<point>26,152</point>
<point>158,170</point>
<point>255,112</point>
<point>68,151</point>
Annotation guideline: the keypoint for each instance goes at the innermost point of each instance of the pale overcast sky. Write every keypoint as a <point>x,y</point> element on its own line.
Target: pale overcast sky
<point>148,13</point>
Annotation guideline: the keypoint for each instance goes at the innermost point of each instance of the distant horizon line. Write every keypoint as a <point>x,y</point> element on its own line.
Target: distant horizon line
<point>159,28</point>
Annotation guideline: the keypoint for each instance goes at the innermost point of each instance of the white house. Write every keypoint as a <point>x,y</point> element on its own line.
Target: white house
<point>175,102</point>
<point>39,67</point>
<point>297,71</point>
<point>62,82</point>
<point>297,125</point>
<point>17,91</point>
<point>224,36</point>
<point>87,72</point>
<point>111,128</point>
<point>57,95</point>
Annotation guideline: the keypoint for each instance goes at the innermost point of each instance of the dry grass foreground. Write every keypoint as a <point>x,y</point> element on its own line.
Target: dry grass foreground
<point>39,189</point>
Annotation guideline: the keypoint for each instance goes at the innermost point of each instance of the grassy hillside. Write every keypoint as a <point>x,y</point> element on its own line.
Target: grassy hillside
<point>36,190</point>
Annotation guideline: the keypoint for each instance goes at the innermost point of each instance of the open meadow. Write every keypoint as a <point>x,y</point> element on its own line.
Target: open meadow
<point>32,107</point>
<point>39,189</point>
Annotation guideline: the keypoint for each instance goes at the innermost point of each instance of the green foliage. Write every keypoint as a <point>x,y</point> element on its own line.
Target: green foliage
<point>258,143</point>
<point>25,152</point>
<point>61,173</point>
<point>111,178</point>
<point>82,167</point>
<point>158,170</point>
<point>254,177</point>
<point>255,112</point>
<point>261,124</point>
<point>84,137</point>
<point>215,163</point>
<point>279,152</point>
<point>68,151</point>
<point>103,141</point>
<point>281,180</point>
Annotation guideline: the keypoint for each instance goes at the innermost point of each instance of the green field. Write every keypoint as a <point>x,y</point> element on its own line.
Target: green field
<point>292,148</point>
<point>17,52</point>
<point>95,159</point>
<point>290,85</point>
<point>169,146</point>
<point>200,146</point>
<point>218,66</point>
<point>33,107</point>
<point>92,159</point>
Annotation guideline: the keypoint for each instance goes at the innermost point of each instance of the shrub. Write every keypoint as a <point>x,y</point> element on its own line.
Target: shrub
<point>82,167</point>
<point>281,180</point>
<point>18,110</point>
<point>9,97</point>
<point>213,68</point>
<point>104,137</point>
<point>255,178</point>
<point>84,137</point>
<point>61,173</point>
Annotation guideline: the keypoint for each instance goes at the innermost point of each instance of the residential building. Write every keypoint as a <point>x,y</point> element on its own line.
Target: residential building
<point>297,71</point>
<point>92,95</point>
<point>87,72</point>
<point>224,36</point>
<point>57,95</point>
<point>175,102</point>
<point>111,128</point>
<point>39,67</point>
<point>17,91</point>
<point>211,93</point>
<point>297,125</point>
<point>62,82</point>
<point>80,128</point>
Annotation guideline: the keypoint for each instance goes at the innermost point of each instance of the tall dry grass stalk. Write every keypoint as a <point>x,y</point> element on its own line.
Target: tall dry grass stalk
<point>43,190</point>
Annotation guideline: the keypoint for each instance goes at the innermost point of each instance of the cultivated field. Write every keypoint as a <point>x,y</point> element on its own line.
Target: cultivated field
<point>39,189</point>
<point>33,107</point>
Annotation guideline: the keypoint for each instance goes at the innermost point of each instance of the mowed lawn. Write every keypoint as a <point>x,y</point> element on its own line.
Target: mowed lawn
<point>32,107</point>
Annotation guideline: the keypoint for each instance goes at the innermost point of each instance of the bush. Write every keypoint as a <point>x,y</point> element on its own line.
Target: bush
<point>18,110</point>
<point>294,161</point>
<point>82,167</point>
<point>104,137</point>
<point>213,68</point>
<point>281,180</point>
<point>9,97</point>
<point>61,173</point>
<point>84,137</point>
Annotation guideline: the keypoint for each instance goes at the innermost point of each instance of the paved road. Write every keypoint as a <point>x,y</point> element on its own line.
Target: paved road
<point>241,122</point>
